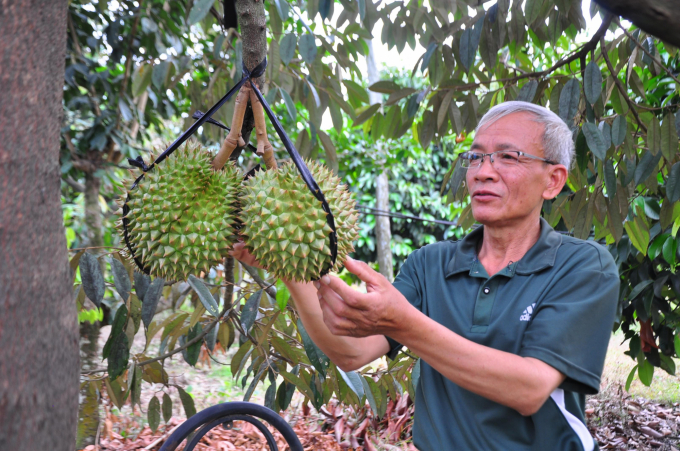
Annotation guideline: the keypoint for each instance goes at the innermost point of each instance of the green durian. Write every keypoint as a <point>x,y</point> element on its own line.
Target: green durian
<point>285,228</point>
<point>182,214</point>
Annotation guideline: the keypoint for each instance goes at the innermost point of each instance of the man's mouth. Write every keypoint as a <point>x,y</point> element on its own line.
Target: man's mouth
<point>485,195</point>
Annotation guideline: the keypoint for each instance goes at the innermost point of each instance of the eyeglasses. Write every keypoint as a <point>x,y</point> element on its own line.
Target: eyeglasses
<point>499,159</point>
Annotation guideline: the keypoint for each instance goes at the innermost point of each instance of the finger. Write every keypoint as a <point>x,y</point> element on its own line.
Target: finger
<point>337,325</point>
<point>336,285</point>
<point>364,272</point>
<point>334,302</point>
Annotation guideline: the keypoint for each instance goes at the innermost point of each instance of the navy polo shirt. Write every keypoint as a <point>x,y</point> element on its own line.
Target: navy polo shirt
<point>557,304</point>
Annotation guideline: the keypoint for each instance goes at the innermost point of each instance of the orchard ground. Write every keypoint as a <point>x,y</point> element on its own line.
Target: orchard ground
<point>642,418</point>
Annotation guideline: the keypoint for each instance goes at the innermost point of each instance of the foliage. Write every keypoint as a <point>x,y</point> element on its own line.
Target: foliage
<point>617,91</point>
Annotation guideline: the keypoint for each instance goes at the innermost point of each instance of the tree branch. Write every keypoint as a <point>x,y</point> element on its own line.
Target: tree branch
<point>658,17</point>
<point>642,47</point>
<point>583,51</point>
<point>619,85</point>
<point>128,60</point>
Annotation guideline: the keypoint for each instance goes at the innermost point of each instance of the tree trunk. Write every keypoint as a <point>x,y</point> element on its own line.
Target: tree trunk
<point>88,410</point>
<point>253,24</point>
<point>383,234</point>
<point>39,362</point>
<point>657,17</point>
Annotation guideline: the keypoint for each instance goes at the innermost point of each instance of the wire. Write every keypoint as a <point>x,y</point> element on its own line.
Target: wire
<point>378,212</point>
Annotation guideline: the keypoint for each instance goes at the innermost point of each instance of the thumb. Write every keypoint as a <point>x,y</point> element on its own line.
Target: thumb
<point>363,272</point>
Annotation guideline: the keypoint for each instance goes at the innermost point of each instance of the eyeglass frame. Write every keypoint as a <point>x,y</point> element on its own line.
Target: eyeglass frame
<point>464,157</point>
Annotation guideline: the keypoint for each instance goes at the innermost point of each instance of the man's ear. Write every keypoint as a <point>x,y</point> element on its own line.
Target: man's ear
<point>557,177</point>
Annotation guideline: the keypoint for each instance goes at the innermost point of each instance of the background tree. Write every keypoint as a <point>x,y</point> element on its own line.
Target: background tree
<point>616,88</point>
<point>38,328</point>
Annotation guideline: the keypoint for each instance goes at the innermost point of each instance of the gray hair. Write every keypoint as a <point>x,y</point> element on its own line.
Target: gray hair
<point>558,143</point>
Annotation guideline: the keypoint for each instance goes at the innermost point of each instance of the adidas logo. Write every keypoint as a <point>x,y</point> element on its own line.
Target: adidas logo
<point>526,315</point>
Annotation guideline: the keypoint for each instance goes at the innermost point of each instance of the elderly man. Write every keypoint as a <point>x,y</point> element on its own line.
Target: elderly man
<point>512,322</point>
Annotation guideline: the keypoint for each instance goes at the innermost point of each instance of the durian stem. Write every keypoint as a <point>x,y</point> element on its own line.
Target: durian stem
<point>233,139</point>
<point>264,147</point>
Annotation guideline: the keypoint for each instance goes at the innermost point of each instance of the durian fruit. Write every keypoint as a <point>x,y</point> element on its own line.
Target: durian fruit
<point>182,214</point>
<point>285,227</point>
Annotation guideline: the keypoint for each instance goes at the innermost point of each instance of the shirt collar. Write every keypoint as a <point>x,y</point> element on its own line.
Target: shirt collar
<point>541,255</point>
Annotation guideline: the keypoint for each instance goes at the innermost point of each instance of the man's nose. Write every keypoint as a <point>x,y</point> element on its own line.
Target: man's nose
<point>486,170</point>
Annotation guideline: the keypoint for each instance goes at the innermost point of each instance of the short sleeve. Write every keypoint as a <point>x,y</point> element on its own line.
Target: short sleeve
<point>572,322</point>
<point>408,284</point>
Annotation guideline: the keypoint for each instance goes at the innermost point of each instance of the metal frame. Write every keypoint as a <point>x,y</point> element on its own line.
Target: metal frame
<point>205,420</point>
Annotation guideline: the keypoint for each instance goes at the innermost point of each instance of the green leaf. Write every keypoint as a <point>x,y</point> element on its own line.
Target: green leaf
<point>160,73</point>
<point>299,383</point>
<point>204,295</point>
<point>385,87</point>
<point>118,356</point>
<point>187,402</point>
<point>654,135</point>
<point>606,131</point>
<point>569,99</point>
<point>469,41</point>
<point>610,178</point>
<point>528,91</point>
<point>362,9</point>
<point>638,234</point>
<point>287,47</point>
<point>676,343</point>
<point>167,407</point>
<point>191,353</point>
<point>353,381</point>
<point>316,356</point>
<point>366,114</point>
<point>667,364</point>
<point>331,154</point>
<point>239,357</point>
<point>119,321</point>
<point>592,82</point>
<point>211,338</point>
<point>283,8</point>
<point>121,279</point>
<point>308,48</point>
<point>324,8</point>
<point>673,183</point>
<point>249,312</point>
<point>532,10</point>
<point>372,392</point>
<point>199,11</point>
<point>639,288</point>
<point>142,282</point>
<point>141,79</point>
<point>255,381</point>
<point>670,248</point>
<point>646,166</point>
<point>428,54</point>
<point>619,130</point>
<point>282,295</point>
<point>357,90</point>
<point>92,278</point>
<point>646,372</point>
<point>154,413</point>
<point>290,105</point>
<point>594,139</point>
<point>270,396</point>
<point>630,378</point>
<point>151,298</point>
<point>669,137</point>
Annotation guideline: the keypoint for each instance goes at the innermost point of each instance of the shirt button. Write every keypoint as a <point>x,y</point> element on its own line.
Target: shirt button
<point>486,290</point>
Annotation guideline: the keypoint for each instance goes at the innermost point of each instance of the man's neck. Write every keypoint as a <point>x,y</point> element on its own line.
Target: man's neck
<point>503,245</point>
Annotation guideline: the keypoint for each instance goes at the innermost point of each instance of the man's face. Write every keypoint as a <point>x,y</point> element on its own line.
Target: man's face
<point>504,195</point>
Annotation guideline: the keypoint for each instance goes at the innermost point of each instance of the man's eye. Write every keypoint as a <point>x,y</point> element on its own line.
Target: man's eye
<point>475,156</point>
<point>509,156</point>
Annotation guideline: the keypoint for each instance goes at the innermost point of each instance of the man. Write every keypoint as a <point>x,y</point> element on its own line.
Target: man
<point>511,323</point>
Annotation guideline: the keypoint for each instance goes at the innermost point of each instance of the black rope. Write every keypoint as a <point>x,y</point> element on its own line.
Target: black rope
<point>207,117</point>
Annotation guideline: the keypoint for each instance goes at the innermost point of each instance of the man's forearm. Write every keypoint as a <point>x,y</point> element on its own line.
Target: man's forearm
<point>518,382</point>
<point>348,353</point>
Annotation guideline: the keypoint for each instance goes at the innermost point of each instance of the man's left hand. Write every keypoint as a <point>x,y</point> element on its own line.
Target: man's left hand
<point>348,312</point>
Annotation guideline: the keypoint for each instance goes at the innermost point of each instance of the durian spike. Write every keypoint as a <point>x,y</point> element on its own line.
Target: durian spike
<point>264,147</point>
<point>234,136</point>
